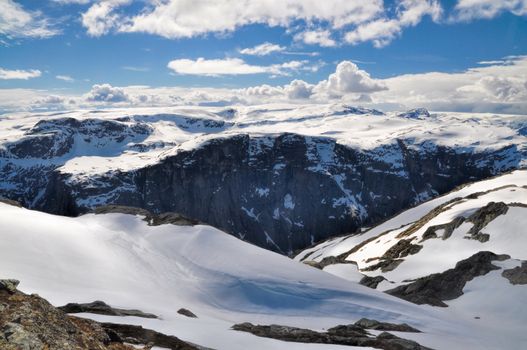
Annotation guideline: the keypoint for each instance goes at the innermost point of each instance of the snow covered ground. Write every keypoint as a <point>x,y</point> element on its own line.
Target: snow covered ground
<point>500,306</point>
<point>184,128</point>
<point>121,260</point>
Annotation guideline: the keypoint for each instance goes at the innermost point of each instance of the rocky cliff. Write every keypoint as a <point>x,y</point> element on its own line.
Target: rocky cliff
<point>279,190</point>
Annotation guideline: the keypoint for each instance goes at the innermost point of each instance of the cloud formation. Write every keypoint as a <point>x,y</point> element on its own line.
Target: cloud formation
<point>230,66</point>
<point>106,93</point>
<point>467,10</point>
<point>184,18</point>
<point>16,22</point>
<point>499,87</point>
<point>6,74</point>
<point>316,37</point>
<point>383,30</point>
<point>262,49</point>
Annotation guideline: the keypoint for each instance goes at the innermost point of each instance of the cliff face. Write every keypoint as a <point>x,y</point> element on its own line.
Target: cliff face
<point>282,191</point>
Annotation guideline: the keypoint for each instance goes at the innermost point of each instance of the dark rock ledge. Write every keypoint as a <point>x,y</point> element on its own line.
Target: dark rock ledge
<point>352,335</point>
<point>517,275</point>
<point>447,285</point>
<point>101,308</point>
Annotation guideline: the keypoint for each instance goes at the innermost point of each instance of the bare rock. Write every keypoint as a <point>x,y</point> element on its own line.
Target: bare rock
<point>385,326</point>
<point>371,282</point>
<point>352,335</point>
<point>9,285</point>
<point>187,313</point>
<point>101,308</point>
<point>448,285</point>
<point>517,275</point>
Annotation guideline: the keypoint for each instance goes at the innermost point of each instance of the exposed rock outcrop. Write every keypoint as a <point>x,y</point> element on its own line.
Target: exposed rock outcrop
<point>138,335</point>
<point>353,335</point>
<point>29,322</point>
<point>482,217</point>
<point>186,312</point>
<point>150,218</point>
<point>448,285</point>
<point>385,326</point>
<point>517,275</point>
<point>371,282</point>
<point>101,308</point>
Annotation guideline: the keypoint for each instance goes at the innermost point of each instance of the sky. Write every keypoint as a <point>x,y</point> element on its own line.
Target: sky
<point>452,55</point>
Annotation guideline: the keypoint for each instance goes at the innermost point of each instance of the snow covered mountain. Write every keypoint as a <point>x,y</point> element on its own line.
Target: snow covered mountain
<point>127,263</point>
<point>279,176</point>
<point>464,251</point>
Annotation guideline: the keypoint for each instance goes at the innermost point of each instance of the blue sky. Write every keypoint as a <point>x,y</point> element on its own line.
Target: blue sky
<point>76,44</point>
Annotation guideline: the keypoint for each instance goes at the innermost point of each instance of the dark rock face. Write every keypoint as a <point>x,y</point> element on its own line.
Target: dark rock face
<point>352,335</point>
<point>187,313</point>
<point>482,217</point>
<point>371,282</point>
<point>517,275</point>
<point>448,285</point>
<point>101,308</point>
<point>281,192</point>
<point>139,335</point>
<point>385,326</point>
<point>431,231</point>
<point>151,219</point>
<point>417,113</point>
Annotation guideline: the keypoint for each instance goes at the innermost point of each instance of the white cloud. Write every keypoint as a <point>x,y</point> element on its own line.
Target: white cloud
<point>100,17</point>
<point>230,66</point>
<point>16,22</point>
<point>106,93</point>
<point>385,29</point>
<point>348,78</point>
<point>190,18</point>
<point>298,89</point>
<point>494,88</point>
<point>66,78</point>
<point>500,88</point>
<point>466,10</point>
<point>6,74</point>
<point>316,37</point>
<point>262,49</point>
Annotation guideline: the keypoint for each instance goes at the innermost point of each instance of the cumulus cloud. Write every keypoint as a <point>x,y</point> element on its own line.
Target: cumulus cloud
<point>262,49</point>
<point>316,37</point>
<point>466,10</point>
<point>101,17</point>
<point>229,66</point>
<point>106,93</point>
<point>16,22</point>
<point>6,74</point>
<point>184,18</point>
<point>348,78</point>
<point>385,29</point>
<point>298,90</point>
<point>499,87</point>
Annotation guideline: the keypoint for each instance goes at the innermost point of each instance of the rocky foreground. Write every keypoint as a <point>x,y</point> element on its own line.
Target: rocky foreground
<point>29,322</point>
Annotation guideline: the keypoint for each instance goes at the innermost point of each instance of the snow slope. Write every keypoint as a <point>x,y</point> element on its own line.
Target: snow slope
<point>121,260</point>
<point>500,305</point>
